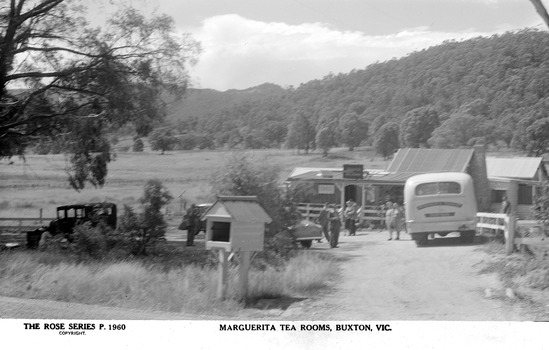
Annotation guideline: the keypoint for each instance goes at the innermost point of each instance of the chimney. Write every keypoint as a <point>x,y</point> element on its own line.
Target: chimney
<point>478,172</point>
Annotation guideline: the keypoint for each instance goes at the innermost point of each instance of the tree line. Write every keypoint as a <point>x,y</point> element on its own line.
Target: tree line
<point>484,90</point>
<point>67,86</point>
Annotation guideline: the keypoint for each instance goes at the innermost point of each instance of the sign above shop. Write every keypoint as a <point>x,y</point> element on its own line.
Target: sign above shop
<point>353,171</point>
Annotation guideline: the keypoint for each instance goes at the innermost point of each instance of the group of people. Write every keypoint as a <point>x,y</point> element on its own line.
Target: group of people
<point>331,219</point>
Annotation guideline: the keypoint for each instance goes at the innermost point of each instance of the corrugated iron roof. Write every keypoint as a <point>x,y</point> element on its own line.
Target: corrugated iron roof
<point>330,174</point>
<point>302,170</point>
<point>428,160</point>
<point>515,167</point>
<point>242,208</point>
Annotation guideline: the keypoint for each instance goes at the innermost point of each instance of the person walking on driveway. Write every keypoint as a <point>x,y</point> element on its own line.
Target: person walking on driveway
<point>351,214</point>
<point>335,226</point>
<point>324,221</point>
<point>391,220</point>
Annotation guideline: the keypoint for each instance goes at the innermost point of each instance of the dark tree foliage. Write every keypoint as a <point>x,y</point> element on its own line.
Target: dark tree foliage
<point>498,80</point>
<point>352,130</point>
<point>386,140</point>
<point>417,126</point>
<point>456,131</point>
<point>60,76</point>
<point>326,139</point>
<point>538,137</point>
<point>301,133</point>
<point>162,139</point>
<point>138,145</point>
<point>241,176</point>
<point>147,228</point>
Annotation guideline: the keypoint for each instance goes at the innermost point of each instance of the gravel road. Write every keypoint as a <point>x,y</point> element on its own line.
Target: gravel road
<point>395,280</point>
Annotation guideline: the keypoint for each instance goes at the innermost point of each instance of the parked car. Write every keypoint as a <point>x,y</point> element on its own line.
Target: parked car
<point>305,232</point>
<point>68,216</point>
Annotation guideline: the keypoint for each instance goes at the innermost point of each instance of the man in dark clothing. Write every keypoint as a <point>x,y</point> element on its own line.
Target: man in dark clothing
<point>335,226</point>
<point>193,217</point>
<point>324,221</point>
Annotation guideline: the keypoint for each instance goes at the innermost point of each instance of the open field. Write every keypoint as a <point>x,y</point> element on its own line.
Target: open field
<point>41,182</point>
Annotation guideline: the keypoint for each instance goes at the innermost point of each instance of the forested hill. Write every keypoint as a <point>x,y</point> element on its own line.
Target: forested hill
<point>485,89</point>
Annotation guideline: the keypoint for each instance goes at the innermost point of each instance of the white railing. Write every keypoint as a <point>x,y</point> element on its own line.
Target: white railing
<point>509,225</point>
<point>312,210</point>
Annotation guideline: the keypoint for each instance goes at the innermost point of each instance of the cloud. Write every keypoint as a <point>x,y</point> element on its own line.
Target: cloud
<point>240,52</point>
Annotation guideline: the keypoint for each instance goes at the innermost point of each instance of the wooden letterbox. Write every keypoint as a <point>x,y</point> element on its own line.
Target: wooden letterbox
<point>236,223</point>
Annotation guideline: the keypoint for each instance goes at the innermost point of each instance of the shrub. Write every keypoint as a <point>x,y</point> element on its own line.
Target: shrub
<point>138,145</point>
<point>149,227</point>
<point>90,241</point>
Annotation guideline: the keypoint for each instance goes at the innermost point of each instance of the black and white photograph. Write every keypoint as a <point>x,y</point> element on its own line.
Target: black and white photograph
<point>301,174</point>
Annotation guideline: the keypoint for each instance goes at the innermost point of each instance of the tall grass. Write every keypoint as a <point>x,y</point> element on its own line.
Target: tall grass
<point>134,285</point>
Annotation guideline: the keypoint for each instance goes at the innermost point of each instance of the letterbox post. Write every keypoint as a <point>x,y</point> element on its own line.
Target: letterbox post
<point>235,224</point>
<point>244,267</point>
<point>222,269</point>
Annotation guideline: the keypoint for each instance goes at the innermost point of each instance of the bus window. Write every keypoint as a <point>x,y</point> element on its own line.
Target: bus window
<point>431,188</point>
<point>427,189</point>
<point>449,187</point>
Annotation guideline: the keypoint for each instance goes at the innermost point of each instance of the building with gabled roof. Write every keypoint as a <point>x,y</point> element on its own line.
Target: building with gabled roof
<point>516,177</point>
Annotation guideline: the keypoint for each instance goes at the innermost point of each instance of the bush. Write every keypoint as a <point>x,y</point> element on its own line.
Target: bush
<point>149,227</point>
<point>90,241</point>
<point>242,177</point>
<point>138,145</point>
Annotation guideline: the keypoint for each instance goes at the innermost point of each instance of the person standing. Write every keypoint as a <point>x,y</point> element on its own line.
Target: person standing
<point>335,226</point>
<point>399,219</point>
<point>351,214</point>
<point>324,221</point>
<point>390,220</point>
<point>193,217</point>
<point>505,206</point>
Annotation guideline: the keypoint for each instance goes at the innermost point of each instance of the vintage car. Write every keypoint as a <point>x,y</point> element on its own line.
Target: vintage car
<point>305,232</point>
<point>68,216</point>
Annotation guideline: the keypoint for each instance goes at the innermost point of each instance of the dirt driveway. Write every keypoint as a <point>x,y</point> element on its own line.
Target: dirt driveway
<point>395,280</point>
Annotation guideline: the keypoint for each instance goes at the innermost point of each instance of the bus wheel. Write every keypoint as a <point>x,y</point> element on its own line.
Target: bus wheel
<point>306,244</point>
<point>421,239</point>
<point>467,236</point>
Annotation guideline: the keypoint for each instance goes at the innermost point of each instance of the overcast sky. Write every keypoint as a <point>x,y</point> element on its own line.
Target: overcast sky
<point>288,42</point>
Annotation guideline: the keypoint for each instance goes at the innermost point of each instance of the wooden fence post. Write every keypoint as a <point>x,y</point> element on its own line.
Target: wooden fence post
<point>510,233</point>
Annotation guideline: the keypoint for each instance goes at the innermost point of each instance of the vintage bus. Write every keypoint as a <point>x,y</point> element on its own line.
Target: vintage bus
<point>440,203</point>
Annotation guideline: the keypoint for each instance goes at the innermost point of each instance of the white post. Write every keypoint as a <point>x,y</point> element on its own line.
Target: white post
<point>510,234</point>
<point>222,269</point>
<point>244,267</point>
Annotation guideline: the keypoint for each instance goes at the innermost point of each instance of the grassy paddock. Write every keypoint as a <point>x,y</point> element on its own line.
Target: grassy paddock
<point>41,180</point>
<point>135,285</point>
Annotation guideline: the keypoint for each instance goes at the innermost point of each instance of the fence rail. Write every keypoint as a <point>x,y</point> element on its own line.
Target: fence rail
<point>22,224</point>
<point>511,227</point>
<point>312,210</point>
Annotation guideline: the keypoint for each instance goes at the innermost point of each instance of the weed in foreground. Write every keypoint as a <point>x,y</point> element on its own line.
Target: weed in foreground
<point>133,284</point>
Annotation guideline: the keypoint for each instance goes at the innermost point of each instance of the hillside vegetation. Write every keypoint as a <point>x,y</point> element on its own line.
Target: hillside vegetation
<point>488,90</point>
